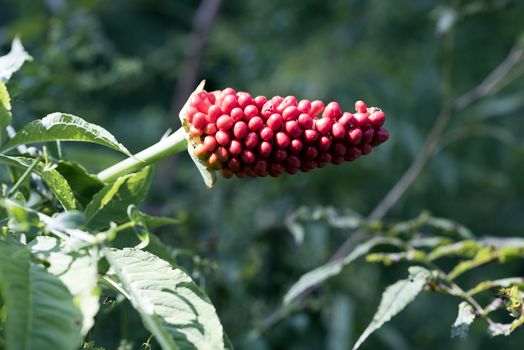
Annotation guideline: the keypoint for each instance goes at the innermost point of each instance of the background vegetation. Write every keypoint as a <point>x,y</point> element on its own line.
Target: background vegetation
<point>124,64</point>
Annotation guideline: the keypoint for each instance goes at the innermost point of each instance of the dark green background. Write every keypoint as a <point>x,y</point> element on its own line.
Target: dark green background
<point>117,63</point>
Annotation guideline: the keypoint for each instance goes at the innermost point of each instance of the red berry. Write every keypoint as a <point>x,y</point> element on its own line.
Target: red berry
<point>377,118</point>
<point>304,106</point>
<point>323,125</point>
<point>200,101</point>
<point>288,101</point>
<point>235,148</point>
<point>226,173</point>
<point>360,106</point>
<point>365,148</point>
<point>222,154</point>
<point>266,133</point>
<point>250,111</point>
<point>348,120</point>
<point>290,113</point>
<point>311,152</point>
<point>213,161</point>
<point>280,155</point>
<point>264,149</point>
<point>248,157</point>
<point>191,111</point>
<point>338,131</point>
<point>293,128</point>
<point>244,99</point>
<point>325,157</point>
<point>195,132</point>
<point>200,151</point>
<point>261,168</point>
<point>276,170</point>
<point>274,121</point>
<point>339,149</point>
<point>240,129</point>
<point>222,138</point>
<point>293,161</point>
<point>213,113</point>
<point>228,91</point>
<point>355,136</point>
<point>282,139</point>
<point>362,119</point>
<point>324,143</point>
<point>225,123</point>
<point>305,121</point>
<point>255,124</point>
<point>381,135</point>
<point>260,101</point>
<point>210,129</point>
<point>367,135</point>
<point>210,143</point>
<point>234,164</point>
<point>199,120</point>
<point>310,136</point>
<point>251,140</point>
<point>237,114</point>
<point>316,108</point>
<point>277,100</point>
<point>296,146</point>
<point>268,109</point>
<point>332,111</point>
<point>228,103</point>
<point>352,154</point>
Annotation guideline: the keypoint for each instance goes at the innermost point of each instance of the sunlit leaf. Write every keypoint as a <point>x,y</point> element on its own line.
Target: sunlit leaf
<point>41,312</point>
<point>172,307</point>
<point>12,62</point>
<point>64,127</point>
<point>394,299</point>
<point>465,317</point>
<point>78,272</point>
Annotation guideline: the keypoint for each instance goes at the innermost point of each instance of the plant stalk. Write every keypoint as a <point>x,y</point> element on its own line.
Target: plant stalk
<point>170,145</point>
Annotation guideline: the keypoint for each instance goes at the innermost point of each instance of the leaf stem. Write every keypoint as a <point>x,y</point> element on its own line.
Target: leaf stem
<point>172,144</point>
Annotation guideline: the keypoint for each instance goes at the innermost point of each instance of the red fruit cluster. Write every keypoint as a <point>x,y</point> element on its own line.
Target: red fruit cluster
<point>253,136</point>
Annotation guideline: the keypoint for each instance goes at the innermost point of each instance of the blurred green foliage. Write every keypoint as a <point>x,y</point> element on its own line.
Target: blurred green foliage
<point>116,63</point>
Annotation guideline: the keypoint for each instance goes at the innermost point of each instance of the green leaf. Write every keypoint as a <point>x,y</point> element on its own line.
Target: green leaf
<point>5,107</point>
<point>40,310</point>
<point>83,184</point>
<point>330,269</point>
<point>394,299</point>
<point>465,317</point>
<point>12,62</point>
<point>110,204</point>
<point>64,127</point>
<point>172,307</point>
<point>78,271</point>
<point>52,178</point>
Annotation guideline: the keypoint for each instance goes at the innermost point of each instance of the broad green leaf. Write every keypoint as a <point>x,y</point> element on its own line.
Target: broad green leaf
<point>12,62</point>
<point>52,178</point>
<point>394,299</point>
<point>330,269</point>
<point>83,184</point>
<point>41,313</point>
<point>110,204</point>
<point>172,307</point>
<point>78,271</point>
<point>5,107</point>
<point>64,127</point>
<point>207,173</point>
<point>465,317</point>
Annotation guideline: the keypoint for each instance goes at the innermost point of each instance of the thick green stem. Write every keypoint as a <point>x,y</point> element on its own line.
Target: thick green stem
<point>172,144</point>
